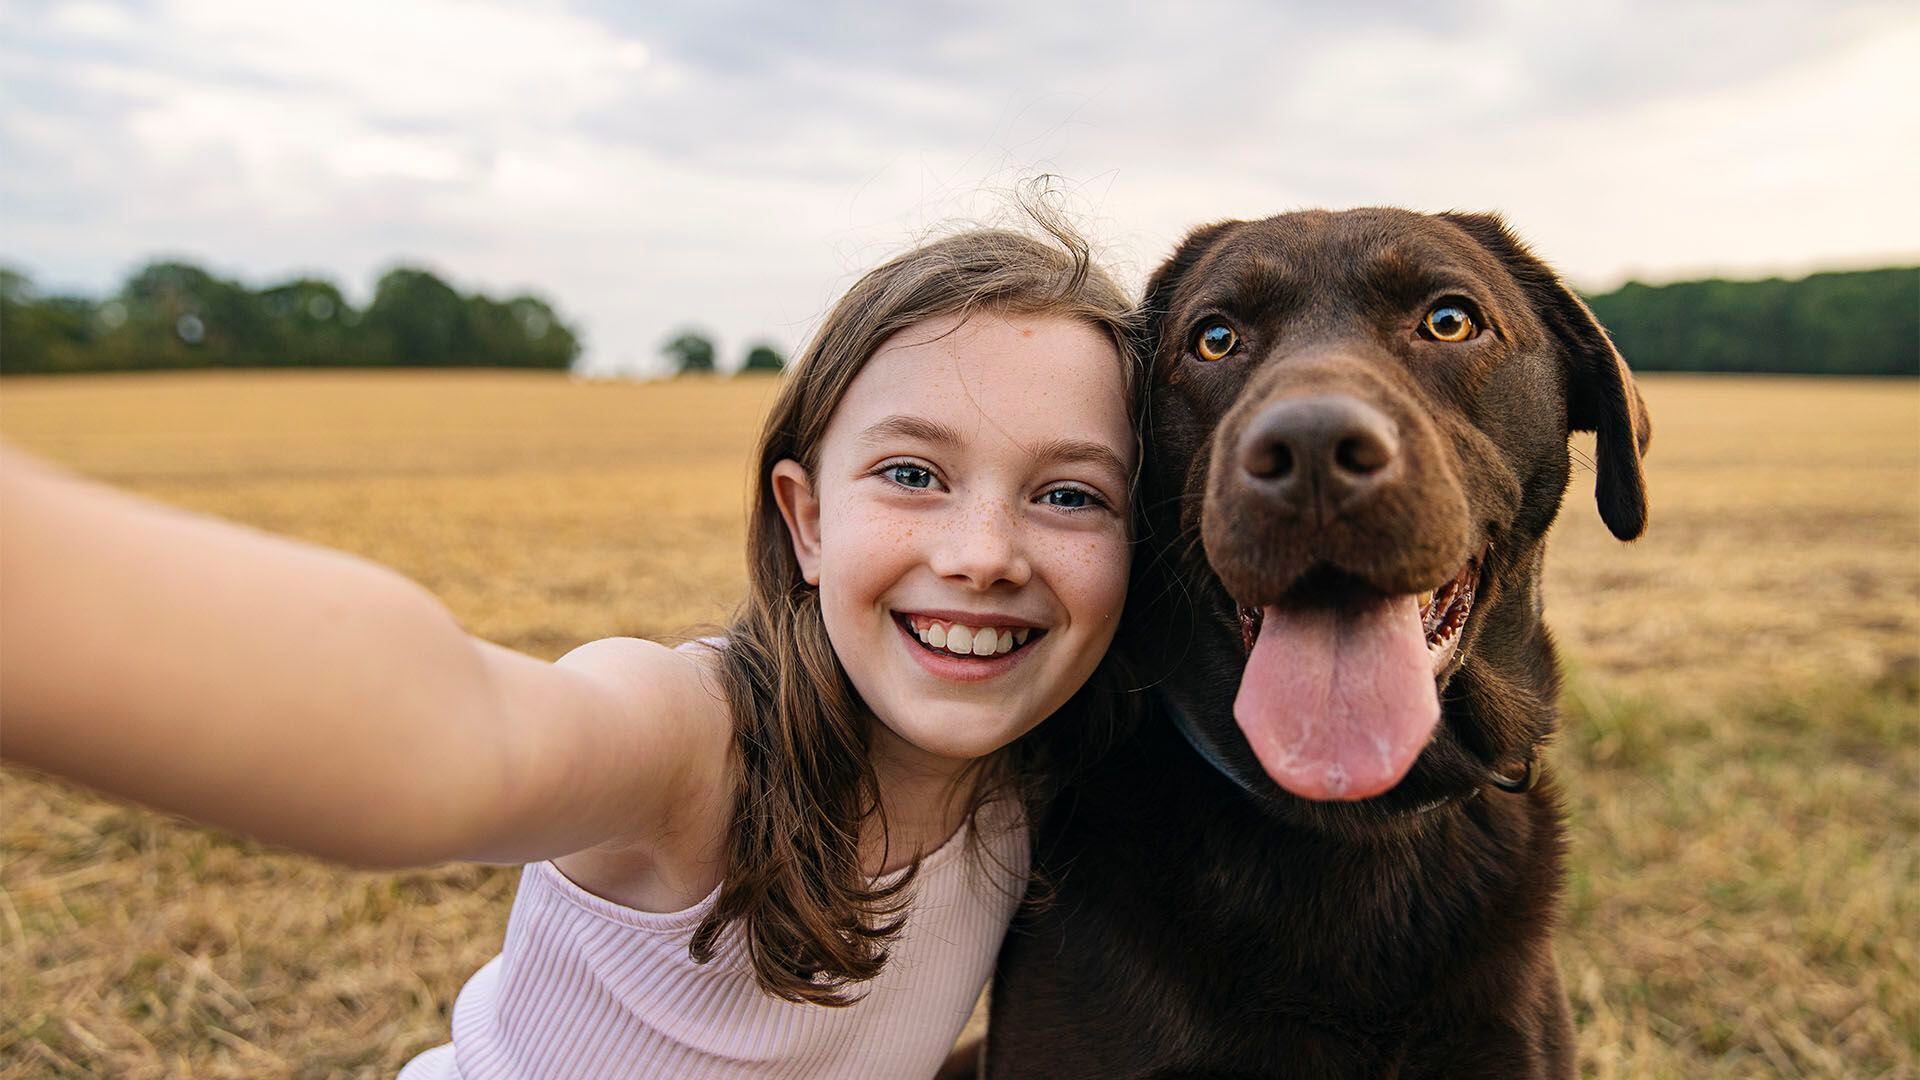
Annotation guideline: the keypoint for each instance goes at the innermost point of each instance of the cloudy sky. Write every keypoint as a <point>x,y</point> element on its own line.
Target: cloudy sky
<point>734,165</point>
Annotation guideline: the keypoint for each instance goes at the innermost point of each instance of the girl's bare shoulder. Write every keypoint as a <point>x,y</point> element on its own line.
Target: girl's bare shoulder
<point>652,669</point>
<point>676,856</point>
<point>679,689</point>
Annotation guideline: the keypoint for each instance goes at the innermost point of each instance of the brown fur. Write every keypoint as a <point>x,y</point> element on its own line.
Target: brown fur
<point>1199,929</point>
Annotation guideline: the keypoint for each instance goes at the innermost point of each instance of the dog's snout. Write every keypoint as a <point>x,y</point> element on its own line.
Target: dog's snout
<point>1328,450</point>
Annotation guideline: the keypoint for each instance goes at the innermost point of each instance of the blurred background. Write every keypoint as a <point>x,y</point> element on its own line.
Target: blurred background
<point>730,168</point>
<point>330,266</point>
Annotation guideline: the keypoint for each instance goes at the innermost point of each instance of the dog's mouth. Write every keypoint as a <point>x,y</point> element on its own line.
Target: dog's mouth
<point>1443,614</point>
<point>1340,692</point>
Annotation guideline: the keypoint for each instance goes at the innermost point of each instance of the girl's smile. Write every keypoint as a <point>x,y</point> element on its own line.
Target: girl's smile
<point>967,525</point>
<point>965,647</point>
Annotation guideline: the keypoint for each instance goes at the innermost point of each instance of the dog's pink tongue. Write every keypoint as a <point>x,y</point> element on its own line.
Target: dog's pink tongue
<point>1338,703</point>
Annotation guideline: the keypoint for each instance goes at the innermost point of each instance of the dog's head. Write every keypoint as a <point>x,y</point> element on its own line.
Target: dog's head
<point>1359,429</point>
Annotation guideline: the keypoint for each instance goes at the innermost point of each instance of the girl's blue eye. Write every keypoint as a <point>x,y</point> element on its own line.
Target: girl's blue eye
<point>912,476</point>
<point>1069,498</point>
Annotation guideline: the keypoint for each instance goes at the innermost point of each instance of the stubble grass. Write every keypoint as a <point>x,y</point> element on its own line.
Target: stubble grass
<point>1740,750</point>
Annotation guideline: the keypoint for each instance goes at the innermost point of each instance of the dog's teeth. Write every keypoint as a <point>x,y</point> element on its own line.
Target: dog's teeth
<point>937,636</point>
<point>1020,635</point>
<point>1004,644</point>
<point>985,641</point>
<point>959,639</point>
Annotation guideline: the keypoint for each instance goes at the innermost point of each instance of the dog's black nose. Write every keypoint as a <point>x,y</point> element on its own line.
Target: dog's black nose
<point>1329,451</point>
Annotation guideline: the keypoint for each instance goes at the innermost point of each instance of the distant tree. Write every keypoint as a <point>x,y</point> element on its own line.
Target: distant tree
<point>764,357</point>
<point>497,337</point>
<point>691,350</point>
<point>522,332</point>
<point>1850,323</point>
<point>41,334</point>
<point>550,343</point>
<point>312,324</point>
<point>175,314</point>
<point>417,320</point>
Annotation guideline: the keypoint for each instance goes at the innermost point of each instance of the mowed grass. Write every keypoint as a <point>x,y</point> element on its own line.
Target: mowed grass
<point>1741,746</point>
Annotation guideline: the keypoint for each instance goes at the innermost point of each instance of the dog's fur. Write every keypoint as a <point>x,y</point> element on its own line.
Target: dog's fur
<point>1199,926</point>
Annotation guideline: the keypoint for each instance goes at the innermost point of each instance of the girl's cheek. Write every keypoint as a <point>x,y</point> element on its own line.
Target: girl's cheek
<point>1094,565</point>
<point>865,528</point>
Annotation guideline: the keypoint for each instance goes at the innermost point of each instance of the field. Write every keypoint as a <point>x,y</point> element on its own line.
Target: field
<point>1741,743</point>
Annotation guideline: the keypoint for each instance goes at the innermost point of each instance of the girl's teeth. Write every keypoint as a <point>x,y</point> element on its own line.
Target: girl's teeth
<point>970,640</point>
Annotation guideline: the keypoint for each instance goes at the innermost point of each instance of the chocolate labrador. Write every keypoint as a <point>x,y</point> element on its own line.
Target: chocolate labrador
<point>1330,850</point>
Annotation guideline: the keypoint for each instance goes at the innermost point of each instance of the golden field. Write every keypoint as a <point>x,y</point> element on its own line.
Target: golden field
<point>1741,746</point>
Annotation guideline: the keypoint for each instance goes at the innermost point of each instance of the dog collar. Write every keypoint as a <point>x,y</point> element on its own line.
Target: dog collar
<point>1220,764</point>
<point>1529,768</point>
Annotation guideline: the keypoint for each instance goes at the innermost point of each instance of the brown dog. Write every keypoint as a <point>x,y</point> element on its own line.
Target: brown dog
<point>1328,852</point>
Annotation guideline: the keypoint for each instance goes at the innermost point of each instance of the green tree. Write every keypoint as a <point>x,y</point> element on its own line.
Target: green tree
<point>691,351</point>
<point>550,341</point>
<point>312,325</point>
<point>175,314</point>
<point>41,334</point>
<point>764,357</point>
<point>417,320</point>
<point>522,332</point>
<point>1851,323</point>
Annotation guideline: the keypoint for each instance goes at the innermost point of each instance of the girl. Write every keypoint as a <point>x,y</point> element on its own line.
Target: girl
<point>722,838</point>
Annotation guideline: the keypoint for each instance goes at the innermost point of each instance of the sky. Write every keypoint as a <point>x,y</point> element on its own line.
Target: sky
<point>734,166</point>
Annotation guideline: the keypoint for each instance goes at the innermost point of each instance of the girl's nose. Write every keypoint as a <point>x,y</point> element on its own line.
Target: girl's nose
<point>984,550</point>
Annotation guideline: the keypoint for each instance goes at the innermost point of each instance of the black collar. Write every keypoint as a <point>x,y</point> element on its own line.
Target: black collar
<point>1529,768</point>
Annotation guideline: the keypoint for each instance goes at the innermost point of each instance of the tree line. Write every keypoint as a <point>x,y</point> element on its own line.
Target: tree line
<point>692,353</point>
<point>176,315</point>
<point>1864,322</point>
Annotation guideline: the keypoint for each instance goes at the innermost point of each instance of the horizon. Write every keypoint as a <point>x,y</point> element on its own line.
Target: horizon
<point>650,171</point>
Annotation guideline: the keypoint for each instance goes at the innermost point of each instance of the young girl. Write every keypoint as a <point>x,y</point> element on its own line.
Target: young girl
<point>742,831</point>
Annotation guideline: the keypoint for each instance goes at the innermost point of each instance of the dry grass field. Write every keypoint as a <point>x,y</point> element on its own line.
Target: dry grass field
<point>1741,745</point>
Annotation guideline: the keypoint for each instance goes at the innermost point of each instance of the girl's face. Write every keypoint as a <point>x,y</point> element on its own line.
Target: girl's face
<point>967,525</point>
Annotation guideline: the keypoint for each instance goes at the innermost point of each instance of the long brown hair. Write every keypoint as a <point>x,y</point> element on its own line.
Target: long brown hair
<point>812,920</point>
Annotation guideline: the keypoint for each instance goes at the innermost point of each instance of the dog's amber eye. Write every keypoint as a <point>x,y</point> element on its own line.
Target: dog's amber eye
<point>1216,340</point>
<point>1449,322</point>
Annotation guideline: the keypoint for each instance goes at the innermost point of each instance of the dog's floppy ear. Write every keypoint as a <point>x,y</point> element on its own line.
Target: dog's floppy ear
<point>1601,397</point>
<point>1166,279</point>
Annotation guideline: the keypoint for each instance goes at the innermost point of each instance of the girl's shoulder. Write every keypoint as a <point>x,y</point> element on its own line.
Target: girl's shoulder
<point>663,863</point>
<point>681,679</point>
<point>676,693</point>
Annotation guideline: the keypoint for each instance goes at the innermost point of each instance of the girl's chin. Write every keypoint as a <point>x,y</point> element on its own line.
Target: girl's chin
<point>953,746</point>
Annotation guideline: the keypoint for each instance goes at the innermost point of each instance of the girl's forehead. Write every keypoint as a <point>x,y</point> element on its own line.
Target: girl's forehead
<point>1020,374</point>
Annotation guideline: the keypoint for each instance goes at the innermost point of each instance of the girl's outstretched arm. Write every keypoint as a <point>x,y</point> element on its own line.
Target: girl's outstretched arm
<point>316,699</point>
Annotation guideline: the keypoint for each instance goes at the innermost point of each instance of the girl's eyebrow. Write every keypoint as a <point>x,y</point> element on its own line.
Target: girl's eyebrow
<point>1081,452</point>
<point>901,426</point>
<point>1051,452</point>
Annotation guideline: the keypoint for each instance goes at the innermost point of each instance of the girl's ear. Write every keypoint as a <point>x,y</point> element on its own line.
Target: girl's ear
<point>800,506</point>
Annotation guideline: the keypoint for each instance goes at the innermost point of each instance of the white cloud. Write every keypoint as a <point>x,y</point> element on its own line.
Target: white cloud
<point>421,60</point>
<point>736,171</point>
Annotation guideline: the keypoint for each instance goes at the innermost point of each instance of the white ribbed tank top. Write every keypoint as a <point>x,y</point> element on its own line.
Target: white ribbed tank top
<point>584,987</point>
